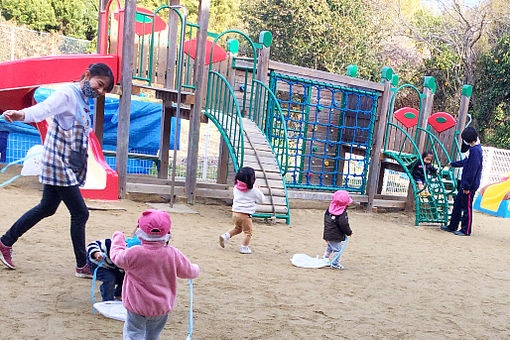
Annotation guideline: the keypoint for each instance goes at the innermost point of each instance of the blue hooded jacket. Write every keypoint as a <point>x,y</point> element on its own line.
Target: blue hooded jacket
<point>472,172</point>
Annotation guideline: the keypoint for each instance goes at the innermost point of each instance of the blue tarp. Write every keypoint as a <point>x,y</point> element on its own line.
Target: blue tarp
<point>144,130</point>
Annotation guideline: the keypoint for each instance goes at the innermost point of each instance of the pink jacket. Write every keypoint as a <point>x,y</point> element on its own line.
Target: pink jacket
<point>152,269</point>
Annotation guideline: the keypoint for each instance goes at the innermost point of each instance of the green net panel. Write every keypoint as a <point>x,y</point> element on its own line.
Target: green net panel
<point>330,131</point>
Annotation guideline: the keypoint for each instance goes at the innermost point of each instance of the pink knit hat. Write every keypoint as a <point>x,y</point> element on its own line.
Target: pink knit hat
<point>339,202</point>
<point>154,225</point>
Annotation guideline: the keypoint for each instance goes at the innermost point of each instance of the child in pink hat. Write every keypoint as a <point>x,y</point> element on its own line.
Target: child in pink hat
<point>336,226</point>
<point>152,269</point>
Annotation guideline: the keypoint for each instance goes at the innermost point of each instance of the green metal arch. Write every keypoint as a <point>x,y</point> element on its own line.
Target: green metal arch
<point>237,157</point>
<point>243,35</point>
<point>397,157</point>
<point>392,103</point>
<point>283,163</point>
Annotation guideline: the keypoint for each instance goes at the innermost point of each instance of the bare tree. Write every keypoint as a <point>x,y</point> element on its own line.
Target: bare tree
<point>450,24</point>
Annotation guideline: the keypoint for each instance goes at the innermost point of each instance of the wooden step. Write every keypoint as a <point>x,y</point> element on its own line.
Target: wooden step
<point>276,192</point>
<point>269,170</point>
<point>269,175</point>
<point>264,160</point>
<point>279,209</point>
<point>276,200</point>
<point>147,179</point>
<point>261,152</point>
<point>158,189</point>
<point>257,141</point>
<point>272,183</point>
<point>167,93</point>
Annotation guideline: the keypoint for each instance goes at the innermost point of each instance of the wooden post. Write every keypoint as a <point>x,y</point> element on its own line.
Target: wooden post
<point>102,6</point>
<point>173,23</point>
<point>380,183</point>
<point>99,119</point>
<point>429,89</point>
<point>348,103</point>
<point>265,38</point>
<point>164,139</point>
<point>375,162</point>
<point>467,91</point>
<point>194,123</point>
<point>98,122</point>
<point>166,109</point>
<point>125,99</point>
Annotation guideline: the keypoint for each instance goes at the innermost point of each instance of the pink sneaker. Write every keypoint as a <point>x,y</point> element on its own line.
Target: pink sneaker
<point>84,272</point>
<point>6,256</point>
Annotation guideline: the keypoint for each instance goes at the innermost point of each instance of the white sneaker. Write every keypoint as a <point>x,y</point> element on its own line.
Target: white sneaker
<point>223,240</point>
<point>245,250</point>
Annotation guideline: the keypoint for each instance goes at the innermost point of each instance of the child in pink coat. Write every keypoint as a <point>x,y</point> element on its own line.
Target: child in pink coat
<point>336,226</point>
<point>152,269</point>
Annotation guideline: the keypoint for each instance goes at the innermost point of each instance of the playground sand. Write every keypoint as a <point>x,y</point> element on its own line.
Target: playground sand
<point>399,281</point>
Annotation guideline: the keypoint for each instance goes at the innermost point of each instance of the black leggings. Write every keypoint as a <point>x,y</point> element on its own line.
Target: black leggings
<point>51,198</point>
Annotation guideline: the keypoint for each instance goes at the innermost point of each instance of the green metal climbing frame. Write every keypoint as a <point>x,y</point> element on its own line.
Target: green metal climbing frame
<point>432,208</point>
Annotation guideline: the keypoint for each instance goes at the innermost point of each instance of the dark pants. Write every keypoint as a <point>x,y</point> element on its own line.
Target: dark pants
<point>51,198</point>
<point>112,281</point>
<point>462,212</point>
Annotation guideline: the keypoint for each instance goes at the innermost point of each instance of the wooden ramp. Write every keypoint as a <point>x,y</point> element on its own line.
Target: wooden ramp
<point>259,155</point>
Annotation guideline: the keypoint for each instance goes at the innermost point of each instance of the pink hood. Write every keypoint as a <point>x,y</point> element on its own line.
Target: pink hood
<point>339,202</point>
<point>241,186</point>
<point>152,269</point>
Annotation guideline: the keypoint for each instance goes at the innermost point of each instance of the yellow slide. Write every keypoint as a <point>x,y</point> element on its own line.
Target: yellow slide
<point>494,198</point>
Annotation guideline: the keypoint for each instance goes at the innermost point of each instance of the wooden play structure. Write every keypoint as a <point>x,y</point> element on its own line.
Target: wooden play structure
<point>161,61</point>
<point>305,132</point>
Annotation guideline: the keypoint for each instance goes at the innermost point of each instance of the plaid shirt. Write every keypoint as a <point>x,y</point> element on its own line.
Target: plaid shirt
<point>57,150</point>
<point>68,130</point>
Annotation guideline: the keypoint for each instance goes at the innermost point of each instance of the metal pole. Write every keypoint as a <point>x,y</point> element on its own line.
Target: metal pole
<point>205,161</point>
<point>179,90</point>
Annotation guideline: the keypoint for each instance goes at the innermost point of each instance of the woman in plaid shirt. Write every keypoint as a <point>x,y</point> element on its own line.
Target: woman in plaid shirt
<point>64,159</point>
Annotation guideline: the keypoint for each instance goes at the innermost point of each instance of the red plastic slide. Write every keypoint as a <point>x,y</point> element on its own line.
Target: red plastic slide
<point>20,78</point>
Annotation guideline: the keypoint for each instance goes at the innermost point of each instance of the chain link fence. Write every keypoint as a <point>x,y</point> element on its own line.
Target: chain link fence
<point>19,43</point>
<point>496,164</point>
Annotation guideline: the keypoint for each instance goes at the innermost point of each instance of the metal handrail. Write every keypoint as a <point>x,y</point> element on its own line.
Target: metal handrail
<point>223,110</point>
<point>390,112</point>
<point>416,152</point>
<point>271,122</point>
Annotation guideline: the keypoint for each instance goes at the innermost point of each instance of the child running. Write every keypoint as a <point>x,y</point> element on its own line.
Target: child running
<point>419,174</point>
<point>64,160</point>
<point>336,226</point>
<point>245,202</point>
<point>152,269</point>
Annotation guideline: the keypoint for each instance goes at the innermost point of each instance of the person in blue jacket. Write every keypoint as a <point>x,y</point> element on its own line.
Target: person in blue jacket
<point>469,183</point>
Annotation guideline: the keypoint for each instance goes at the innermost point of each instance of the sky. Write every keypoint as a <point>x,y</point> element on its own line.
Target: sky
<point>466,2</point>
<point>434,5</point>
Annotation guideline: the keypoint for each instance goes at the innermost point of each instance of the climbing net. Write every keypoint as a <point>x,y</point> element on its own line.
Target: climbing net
<point>330,131</point>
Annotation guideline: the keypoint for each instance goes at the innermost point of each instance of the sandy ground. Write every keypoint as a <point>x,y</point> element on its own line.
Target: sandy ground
<point>399,281</point>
